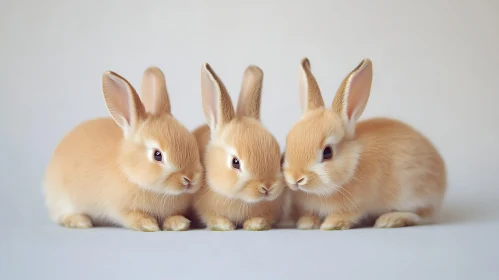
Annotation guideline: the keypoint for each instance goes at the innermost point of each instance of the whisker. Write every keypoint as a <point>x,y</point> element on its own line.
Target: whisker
<point>230,205</point>
<point>201,198</point>
<point>239,213</point>
<point>248,210</point>
<point>339,190</point>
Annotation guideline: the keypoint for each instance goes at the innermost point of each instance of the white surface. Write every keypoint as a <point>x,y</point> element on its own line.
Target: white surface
<point>463,246</point>
<point>435,67</point>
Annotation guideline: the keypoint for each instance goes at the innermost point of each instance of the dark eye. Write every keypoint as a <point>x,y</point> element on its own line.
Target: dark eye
<point>327,153</point>
<point>157,155</point>
<point>235,163</point>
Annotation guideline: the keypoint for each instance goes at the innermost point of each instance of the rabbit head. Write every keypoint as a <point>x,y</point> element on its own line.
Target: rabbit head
<point>157,152</point>
<point>321,151</point>
<point>242,157</point>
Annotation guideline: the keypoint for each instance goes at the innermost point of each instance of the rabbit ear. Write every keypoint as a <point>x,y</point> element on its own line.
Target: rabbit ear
<point>154,93</point>
<point>310,94</point>
<point>250,96</point>
<point>122,101</point>
<point>217,105</point>
<point>353,94</point>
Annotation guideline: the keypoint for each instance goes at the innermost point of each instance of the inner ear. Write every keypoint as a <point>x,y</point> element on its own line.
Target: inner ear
<point>353,94</point>
<point>358,90</point>
<point>119,97</point>
<point>217,104</point>
<point>211,96</point>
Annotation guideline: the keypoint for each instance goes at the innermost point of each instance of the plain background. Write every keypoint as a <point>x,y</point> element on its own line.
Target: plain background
<point>435,67</point>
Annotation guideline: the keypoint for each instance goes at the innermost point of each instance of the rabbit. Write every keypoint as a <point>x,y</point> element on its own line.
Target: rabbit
<point>341,172</point>
<point>138,169</point>
<point>241,159</point>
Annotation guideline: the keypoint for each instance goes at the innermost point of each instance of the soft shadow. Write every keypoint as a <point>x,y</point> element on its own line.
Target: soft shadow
<point>469,211</point>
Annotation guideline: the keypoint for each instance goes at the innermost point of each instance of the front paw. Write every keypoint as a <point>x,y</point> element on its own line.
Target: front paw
<point>176,223</point>
<point>221,224</point>
<point>145,224</point>
<point>140,221</point>
<point>256,224</point>
<point>77,221</point>
<point>308,222</point>
<point>336,224</point>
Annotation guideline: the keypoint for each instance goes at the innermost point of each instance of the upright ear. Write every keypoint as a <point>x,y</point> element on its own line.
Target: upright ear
<point>353,94</point>
<point>154,93</point>
<point>122,101</point>
<point>310,94</point>
<point>250,96</point>
<point>217,105</point>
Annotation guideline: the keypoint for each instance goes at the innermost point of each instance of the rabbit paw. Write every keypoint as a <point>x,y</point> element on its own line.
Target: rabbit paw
<point>308,222</point>
<point>221,224</point>
<point>396,219</point>
<point>176,223</point>
<point>77,221</point>
<point>141,222</point>
<point>256,224</point>
<point>336,225</point>
<point>148,225</point>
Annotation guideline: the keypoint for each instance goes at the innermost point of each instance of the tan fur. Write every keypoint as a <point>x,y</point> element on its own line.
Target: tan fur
<point>202,135</point>
<point>233,197</point>
<point>250,96</point>
<point>154,93</point>
<point>379,167</point>
<point>101,173</point>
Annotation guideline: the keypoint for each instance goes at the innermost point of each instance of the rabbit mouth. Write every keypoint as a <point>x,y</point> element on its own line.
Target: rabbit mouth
<point>270,196</point>
<point>254,200</point>
<point>191,188</point>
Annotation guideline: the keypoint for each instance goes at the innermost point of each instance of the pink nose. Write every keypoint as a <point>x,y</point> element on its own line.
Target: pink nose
<point>265,189</point>
<point>187,182</point>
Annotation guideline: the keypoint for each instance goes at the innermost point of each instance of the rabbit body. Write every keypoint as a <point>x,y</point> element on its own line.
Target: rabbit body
<point>138,169</point>
<point>341,172</point>
<point>243,180</point>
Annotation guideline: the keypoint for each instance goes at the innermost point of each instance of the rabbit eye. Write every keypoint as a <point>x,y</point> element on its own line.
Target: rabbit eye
<point>158,156</point>
<point>327,153</point>
<point>235,163</point>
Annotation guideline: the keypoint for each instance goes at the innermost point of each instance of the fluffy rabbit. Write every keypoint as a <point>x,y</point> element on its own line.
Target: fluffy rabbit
<point>244,182</point>
<point>341,172</point>
<point>136,169</point>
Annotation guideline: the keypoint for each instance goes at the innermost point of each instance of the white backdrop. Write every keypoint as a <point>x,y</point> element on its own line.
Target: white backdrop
<point>435,67</point>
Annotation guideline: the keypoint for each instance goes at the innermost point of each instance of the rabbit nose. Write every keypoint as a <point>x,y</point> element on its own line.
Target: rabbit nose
<point>301,181</point>
<point>186,182</point>
<point>264,189</point>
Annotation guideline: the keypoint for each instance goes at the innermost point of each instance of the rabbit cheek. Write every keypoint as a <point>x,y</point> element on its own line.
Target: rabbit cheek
<point>223,182</point>
<point>343,167</point>
<point>140,170</point>
<point>221,178</point>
